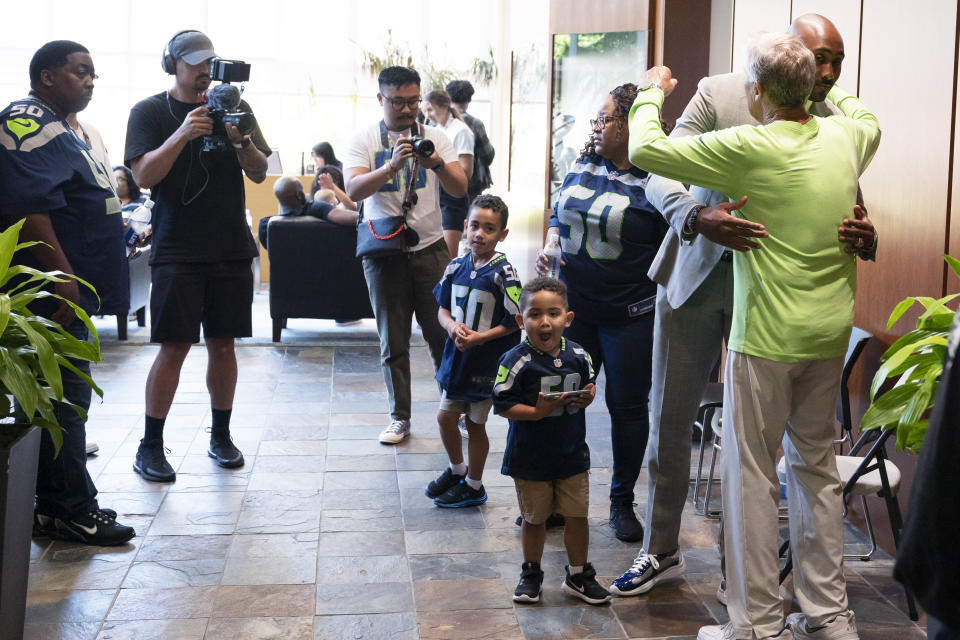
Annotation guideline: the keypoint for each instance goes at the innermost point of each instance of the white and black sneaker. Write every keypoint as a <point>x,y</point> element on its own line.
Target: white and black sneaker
<point>531,580</point>
<point>647,570</point>
<point>584,585</point>
<point>97,528</point>
<point>395,432</point>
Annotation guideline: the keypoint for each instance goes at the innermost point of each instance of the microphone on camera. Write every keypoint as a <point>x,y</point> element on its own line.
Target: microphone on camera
<point>223,96</point>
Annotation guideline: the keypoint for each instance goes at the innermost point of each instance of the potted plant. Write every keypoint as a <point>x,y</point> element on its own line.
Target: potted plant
<point>916,361</point>
<point>32,350</point>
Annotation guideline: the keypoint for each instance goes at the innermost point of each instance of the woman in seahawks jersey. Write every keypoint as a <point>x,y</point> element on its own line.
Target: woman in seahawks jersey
<point>609,235</point>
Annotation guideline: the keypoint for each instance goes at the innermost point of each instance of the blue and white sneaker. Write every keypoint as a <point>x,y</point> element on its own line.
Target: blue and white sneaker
<point>461,495</point>
<point>647,571</point>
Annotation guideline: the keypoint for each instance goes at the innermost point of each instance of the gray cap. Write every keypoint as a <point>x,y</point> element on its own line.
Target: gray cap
<point>192,47</point>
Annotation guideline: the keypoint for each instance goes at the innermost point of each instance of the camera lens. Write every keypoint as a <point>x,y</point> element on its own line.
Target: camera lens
<point>423,148</point>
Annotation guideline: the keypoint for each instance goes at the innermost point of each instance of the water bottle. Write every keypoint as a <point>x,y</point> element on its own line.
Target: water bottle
<point>139,221</point>
<point>552,252</point>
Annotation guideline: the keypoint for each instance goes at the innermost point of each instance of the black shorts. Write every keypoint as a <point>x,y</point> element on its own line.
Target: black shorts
<point>454,211</point>
<point>218,295</point>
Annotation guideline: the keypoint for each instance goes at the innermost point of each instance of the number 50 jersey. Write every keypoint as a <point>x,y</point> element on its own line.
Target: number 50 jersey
<point>609,235</point>
<point>482,299</point>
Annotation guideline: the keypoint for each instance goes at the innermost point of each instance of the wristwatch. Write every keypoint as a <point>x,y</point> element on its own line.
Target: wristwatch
<point>438,168</point>
<point>689,231</point>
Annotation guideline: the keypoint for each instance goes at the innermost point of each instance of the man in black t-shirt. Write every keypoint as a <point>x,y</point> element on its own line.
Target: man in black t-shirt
<point>202,246</point>
<point>293,202</point>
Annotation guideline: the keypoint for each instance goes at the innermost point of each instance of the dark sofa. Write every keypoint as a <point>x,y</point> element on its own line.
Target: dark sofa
<point>314,271</point>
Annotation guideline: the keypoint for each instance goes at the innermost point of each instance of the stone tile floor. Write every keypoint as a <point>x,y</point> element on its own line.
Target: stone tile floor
<point>325,533</point>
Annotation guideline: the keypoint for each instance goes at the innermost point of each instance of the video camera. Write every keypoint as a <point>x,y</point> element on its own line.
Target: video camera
<point>223,101</point>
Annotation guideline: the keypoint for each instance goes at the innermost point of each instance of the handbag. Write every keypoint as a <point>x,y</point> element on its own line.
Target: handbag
<point>381,237</point>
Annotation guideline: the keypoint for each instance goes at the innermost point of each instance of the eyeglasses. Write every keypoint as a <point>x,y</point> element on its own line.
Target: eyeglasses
<point>602,120</point>
<point>399,104</point>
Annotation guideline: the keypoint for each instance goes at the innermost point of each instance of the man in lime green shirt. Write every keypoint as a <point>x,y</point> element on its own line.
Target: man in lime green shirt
<point>793,309</point>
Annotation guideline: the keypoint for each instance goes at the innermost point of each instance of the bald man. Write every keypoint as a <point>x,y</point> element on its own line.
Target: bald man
<point>694,271</point>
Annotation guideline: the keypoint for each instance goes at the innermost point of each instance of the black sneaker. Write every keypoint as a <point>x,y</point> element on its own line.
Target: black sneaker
<point>43,525</point>
<point>625,525</point>
<point>94,528</point>
<point>553,520</point>
<point>447,479</point>
<point>461,495</point>
<point>528,589</point>
<point>151,463</point>
<point>584,585</point>
<point>224,451</point>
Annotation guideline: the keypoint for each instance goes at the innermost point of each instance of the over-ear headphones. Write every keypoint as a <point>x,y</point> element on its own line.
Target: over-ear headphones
<point>168,63</point>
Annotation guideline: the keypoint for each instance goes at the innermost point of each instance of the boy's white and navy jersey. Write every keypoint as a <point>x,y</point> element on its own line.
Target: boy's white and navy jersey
<point>46,168</point>
<point>609,235</point>
<point>556,446</point>
<point>481,299</point>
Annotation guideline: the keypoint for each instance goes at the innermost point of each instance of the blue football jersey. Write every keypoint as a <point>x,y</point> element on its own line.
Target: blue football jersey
<point>556,446</point>
<point>609,235</point>
<point>46,168</point>
<point>481,299</point>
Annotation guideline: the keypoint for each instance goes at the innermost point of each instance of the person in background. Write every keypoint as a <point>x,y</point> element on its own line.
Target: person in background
<point>49,180</point>
<point>461,93</point>
<point>438,109</point>
<point>329,184</point>
<point>323,156</point>
<point>609,234</point>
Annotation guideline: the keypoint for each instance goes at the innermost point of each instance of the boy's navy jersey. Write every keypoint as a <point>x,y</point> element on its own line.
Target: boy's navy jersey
<point>46,168</point>
<point>554,447</point>
<point>481,299</point>
<point>609,235</point>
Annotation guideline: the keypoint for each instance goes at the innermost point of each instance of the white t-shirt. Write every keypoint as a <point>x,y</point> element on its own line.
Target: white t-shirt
<point>459,132</point>
<point>89,134</point>
<point>424,217</point>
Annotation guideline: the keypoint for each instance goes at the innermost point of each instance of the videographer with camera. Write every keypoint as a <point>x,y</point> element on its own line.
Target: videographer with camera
<point>191,148</point>
<point>396,167</point>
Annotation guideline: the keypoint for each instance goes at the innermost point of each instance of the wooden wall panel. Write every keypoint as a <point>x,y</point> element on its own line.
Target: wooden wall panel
<point>685,26</point>
<point>576,16</point>
<point>845,14</point>
<point>905,188</point>
<point>953,245</point>
<point>751,16</point>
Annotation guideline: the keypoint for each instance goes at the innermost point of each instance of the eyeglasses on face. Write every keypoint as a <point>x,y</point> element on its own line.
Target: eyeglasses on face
<point>602,120</point>
<point>398,103</point>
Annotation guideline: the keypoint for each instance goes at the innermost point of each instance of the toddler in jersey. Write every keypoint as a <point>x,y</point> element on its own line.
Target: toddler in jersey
<point>543,386</point>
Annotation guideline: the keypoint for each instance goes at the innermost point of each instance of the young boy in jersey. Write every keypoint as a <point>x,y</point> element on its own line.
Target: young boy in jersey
<point>479,301</point>
<point>547,453</point>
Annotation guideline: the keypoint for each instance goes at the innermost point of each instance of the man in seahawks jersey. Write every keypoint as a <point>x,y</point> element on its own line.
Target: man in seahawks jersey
<point>50,180</point>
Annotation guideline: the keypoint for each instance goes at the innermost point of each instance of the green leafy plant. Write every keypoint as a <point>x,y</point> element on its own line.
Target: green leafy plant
<point>916,361</point>
<point>482,70</point>
<point>33,348</point>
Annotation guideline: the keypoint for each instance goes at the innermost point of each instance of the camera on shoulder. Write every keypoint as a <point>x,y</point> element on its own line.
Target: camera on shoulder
<point>223,103</point>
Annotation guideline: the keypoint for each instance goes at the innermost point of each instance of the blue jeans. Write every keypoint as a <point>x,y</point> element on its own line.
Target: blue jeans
<point>64,488</point>
<point>625,352</point>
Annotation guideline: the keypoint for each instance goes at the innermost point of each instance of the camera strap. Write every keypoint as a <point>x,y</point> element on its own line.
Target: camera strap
<point>409,170</point>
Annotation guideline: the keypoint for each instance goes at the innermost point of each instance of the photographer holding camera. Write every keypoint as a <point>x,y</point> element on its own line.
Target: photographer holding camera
<point>202,247</point>
<point>396,167</point>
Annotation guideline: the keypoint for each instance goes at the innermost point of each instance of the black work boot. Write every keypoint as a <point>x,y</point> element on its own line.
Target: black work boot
<point>625,524</point>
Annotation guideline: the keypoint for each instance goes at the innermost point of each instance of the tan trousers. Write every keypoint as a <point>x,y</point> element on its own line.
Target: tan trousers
<point>763,400</point>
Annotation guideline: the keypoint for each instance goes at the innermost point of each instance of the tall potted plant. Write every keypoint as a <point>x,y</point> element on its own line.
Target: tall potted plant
<point>32,350</point>
<point>915,361</point>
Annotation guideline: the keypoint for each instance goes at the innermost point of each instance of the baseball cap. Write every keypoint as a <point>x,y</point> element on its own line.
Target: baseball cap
<point>192,47</point>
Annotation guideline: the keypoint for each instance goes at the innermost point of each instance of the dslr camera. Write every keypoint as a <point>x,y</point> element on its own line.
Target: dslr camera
<point>422,147</point>
<point>223,102</point>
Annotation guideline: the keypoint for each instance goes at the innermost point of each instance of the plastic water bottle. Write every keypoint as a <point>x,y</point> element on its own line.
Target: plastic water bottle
<point>552,252</point>
<point>138,223</point>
